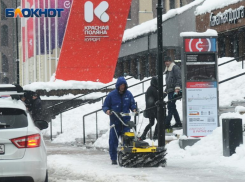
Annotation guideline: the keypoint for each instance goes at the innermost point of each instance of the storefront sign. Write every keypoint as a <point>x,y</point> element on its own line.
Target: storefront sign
<point>228,16</point>
<point>201,98</point>
<point>200,45</point>
<point>92,40</point>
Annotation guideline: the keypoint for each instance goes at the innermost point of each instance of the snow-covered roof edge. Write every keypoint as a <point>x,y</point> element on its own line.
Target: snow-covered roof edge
<point>209,32</point>
<point>210,5</point>
<point>151,25</point>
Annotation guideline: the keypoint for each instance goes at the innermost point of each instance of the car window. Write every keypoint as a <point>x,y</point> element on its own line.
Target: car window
<point>12,118</point>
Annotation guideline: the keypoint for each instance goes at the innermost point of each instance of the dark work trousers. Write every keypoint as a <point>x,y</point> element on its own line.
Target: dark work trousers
<point>172,111</point>
<point>148,127</point>
<point>113,140</point>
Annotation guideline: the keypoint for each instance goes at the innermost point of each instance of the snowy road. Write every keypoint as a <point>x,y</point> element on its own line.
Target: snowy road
<point>67,163</point>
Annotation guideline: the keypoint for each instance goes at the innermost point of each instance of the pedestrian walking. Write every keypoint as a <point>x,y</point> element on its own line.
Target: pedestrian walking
<point>118,100</point>
<point>36,108</point>
<point>173,87</point>
<point>151,97</point>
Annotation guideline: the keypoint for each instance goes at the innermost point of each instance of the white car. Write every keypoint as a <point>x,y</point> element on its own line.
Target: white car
<point>23,155</point>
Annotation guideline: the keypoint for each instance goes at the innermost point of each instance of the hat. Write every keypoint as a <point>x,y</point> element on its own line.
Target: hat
<point>35,94</point>
<point>167,58</point>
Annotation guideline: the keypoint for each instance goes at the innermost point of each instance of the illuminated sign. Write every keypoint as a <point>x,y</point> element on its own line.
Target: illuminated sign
<point>200,45</point>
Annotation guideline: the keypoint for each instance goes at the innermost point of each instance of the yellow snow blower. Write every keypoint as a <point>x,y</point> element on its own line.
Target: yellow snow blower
<point>136,153</point>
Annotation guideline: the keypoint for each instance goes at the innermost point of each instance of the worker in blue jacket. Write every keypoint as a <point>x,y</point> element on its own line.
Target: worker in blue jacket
<point>118,100</point>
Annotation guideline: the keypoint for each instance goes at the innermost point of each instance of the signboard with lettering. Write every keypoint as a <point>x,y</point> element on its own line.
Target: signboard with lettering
<point>202,116</point>
<point>92,40</point>
<point>228,16</point>
<point>200,45</point>
<point>200,85</point>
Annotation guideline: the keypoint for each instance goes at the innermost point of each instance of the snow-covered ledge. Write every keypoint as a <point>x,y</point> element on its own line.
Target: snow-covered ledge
<point>209,33</point>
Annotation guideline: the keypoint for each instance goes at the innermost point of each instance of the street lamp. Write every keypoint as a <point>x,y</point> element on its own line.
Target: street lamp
<point>161,111</point>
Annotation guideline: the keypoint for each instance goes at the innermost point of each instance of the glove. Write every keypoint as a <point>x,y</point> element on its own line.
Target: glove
<point>177,94</point>
<point>164,95</point>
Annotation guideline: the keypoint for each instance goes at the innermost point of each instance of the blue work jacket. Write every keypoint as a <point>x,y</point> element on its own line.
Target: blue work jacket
<point>119,102</point>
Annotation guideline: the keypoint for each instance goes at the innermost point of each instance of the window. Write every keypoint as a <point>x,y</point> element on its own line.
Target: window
<point>5,64</point>
<point>129,14</point>
<point>172,4</point>
<point>236,46</point>
<point>3,7</point>
<point>12,118</point>
<point>5,80</point>
<point>4,35</point>
<point>181,3</point>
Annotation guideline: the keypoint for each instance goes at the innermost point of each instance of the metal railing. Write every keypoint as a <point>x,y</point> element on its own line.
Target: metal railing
<point>231,78</point>
<point>102,97</point>
<point>103,88</point>
<point>235,59</point>
<point>96,112</point>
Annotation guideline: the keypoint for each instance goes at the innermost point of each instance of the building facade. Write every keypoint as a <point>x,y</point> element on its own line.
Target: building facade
<point>8,54</point>
<point>138,56</point>
<point>144,10</point>
<point>229,22</point>
<point>42,64</point>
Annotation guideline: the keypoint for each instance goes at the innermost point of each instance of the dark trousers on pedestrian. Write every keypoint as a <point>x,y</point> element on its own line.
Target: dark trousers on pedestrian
<point>172,111</point>
<point>113,140</point>
<point>148,127</point>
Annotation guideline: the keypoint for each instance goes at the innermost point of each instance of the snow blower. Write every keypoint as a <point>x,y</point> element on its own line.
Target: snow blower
<point>136,153</point>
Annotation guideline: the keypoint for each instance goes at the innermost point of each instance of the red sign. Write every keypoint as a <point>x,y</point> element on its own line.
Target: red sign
<point>23,33</point>
<point>201,84</point>
<point>30,33</point>
<point>200,45</point>
<point>92,40</point>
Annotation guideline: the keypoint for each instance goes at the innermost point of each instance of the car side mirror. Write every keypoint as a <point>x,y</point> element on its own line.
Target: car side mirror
<point>41,124</point>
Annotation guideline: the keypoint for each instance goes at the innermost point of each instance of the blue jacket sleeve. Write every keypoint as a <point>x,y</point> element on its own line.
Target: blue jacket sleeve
<point>107,103</point>
<point>132,103</point>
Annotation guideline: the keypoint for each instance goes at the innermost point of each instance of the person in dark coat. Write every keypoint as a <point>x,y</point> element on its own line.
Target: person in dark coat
<point>173,87</point>
<point>151,97</point>
<point>36,108</point>
<point>118,100</point>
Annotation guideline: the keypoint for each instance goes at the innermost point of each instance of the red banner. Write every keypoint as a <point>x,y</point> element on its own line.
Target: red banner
<point>92,40</point>
<point>30,33</point>
<point>23,33</point>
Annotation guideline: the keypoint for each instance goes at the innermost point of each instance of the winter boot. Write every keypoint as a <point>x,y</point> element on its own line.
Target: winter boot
<point>113,162</point>
<point>167,126</point>
<point>177,125</point>
<point>155,137</point>
<point>143,137</point>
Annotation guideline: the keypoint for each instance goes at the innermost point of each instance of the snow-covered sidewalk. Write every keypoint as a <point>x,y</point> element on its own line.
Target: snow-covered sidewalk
<point>75,164</point>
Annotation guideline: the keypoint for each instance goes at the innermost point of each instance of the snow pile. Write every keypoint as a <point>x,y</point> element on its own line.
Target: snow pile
<point>103,141</point>
<point>240,109</point>
<point>210,148</point>
<point>66,85</point>
<point>233,90</point>
<point>209,32</point>
<point>210,5</point>
<point>151,26</point>
<point>71,96</point>
<point>60,84</point>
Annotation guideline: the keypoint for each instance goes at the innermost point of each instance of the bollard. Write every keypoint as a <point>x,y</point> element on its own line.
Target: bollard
<point>232,135</point>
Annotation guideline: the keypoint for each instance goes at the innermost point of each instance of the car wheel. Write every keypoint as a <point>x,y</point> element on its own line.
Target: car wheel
<point>46,179</point>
